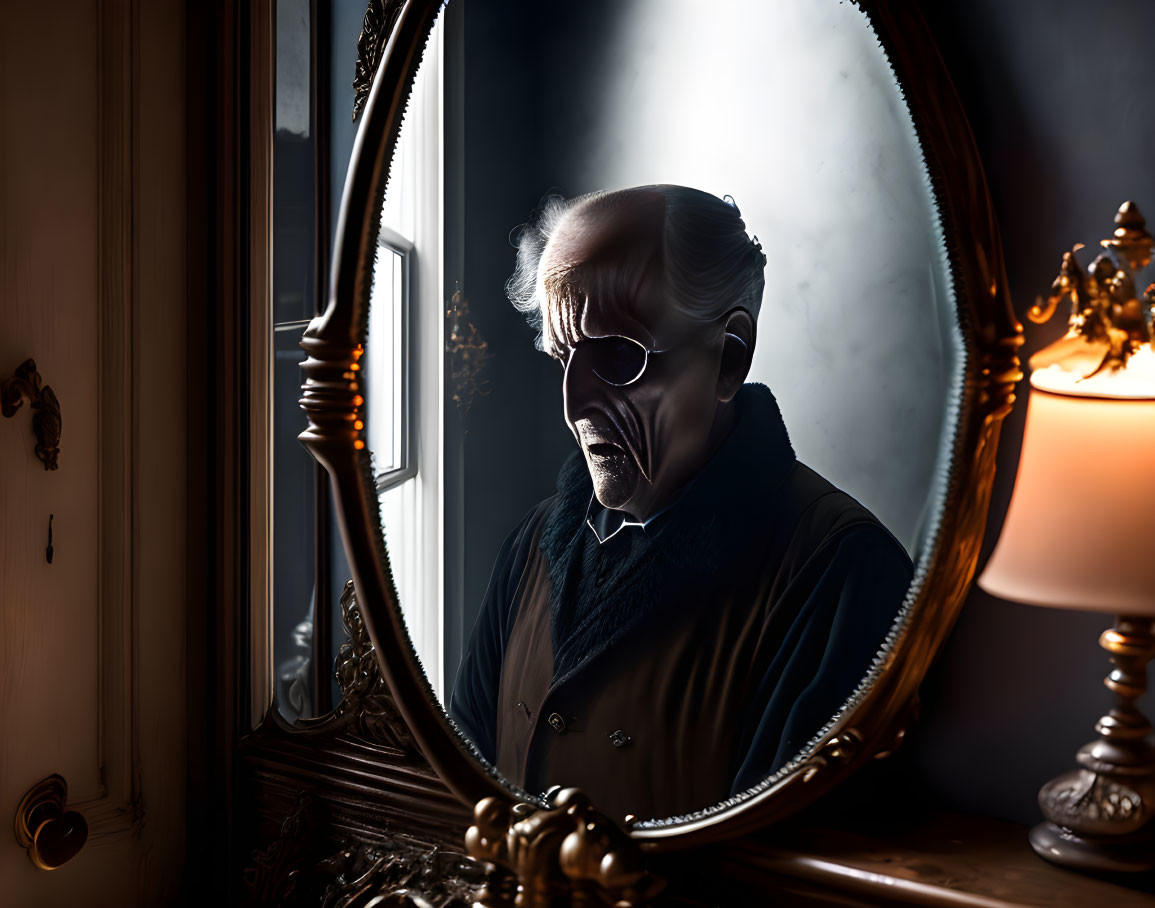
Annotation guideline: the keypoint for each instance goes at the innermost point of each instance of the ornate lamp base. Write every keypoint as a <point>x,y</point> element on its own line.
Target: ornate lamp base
<point>1094,854</point>
<point>1101,816</point>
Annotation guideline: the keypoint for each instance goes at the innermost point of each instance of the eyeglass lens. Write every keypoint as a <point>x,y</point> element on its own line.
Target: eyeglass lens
<point>615,360</point>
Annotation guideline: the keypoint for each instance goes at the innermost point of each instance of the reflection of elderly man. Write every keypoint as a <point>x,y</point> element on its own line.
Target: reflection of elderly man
<point>694,604</point>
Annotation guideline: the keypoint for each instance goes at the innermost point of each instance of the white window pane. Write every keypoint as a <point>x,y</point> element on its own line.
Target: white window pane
<point>399,213</point>
<point>384,363</point>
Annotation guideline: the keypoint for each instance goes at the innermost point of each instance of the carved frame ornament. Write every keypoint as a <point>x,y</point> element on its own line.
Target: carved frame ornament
<point>391,47</point>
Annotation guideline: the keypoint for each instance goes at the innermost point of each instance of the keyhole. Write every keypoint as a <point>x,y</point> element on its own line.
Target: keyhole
<point>48,551</point>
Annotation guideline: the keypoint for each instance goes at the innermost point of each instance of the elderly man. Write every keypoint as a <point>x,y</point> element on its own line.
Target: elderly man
<point>694,604</point>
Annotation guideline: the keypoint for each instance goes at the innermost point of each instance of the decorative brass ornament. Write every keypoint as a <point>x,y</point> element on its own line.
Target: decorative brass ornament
<point>561,848</point>
<point>1107,314</point>
<point>837,751</point>
<point>51,834</point>
<point>567,854</point>
<point>26,383</point>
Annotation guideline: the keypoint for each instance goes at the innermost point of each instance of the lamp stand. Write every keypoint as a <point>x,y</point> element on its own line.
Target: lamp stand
<point>1101,815</point>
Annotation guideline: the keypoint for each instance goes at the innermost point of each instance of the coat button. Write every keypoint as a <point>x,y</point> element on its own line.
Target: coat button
<point>556,722</point>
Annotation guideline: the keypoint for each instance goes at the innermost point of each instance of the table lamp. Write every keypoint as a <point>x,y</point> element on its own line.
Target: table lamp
<point>1080,534</point>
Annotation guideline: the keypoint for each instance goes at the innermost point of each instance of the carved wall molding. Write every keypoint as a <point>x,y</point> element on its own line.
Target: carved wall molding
<point>26,384</point>
<point>119,806</point>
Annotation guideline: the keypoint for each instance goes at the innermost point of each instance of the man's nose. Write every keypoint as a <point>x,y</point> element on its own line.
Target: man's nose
<point>581,388</point>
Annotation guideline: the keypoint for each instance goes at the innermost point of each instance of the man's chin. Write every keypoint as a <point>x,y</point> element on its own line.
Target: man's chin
<point>614,482</point>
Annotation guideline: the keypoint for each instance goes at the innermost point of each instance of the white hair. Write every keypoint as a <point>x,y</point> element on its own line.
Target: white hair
<point>712,265</point>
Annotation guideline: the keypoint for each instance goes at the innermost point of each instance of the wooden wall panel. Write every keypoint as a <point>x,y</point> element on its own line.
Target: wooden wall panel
<point>92,285</point>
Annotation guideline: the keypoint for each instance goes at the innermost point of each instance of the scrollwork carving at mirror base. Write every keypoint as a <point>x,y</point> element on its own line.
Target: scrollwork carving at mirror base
<point>272,874</point>
<point>331,794</point>
<point>365,698</point>
<point>393,870</point>
<point>402,873</point>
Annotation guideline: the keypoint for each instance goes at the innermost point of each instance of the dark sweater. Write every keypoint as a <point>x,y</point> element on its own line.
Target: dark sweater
<point>672,666</point>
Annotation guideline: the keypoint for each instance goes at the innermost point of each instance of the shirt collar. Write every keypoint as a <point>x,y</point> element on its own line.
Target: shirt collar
<point>605,523</point>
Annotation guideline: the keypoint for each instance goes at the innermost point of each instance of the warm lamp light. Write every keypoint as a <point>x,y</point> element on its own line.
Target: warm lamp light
<point>1080,533</point>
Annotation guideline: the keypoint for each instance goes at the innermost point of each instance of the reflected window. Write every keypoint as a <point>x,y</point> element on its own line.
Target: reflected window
<point>384,369</point>
<point>316,52</point>
<point>404,358</point>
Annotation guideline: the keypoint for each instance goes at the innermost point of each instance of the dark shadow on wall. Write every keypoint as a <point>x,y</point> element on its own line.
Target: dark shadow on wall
<point>1059,98</point>
<point>492,451</point>
<point>505,149</point>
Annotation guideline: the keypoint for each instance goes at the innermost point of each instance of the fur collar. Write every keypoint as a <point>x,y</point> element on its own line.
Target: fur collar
<point>601,590</point>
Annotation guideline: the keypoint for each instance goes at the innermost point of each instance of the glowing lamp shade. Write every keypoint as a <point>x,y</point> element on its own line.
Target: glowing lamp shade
<point>1080,531</point>
<point>1080,534</point>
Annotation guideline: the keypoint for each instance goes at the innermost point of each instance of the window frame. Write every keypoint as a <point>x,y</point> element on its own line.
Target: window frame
<point>410,415</point>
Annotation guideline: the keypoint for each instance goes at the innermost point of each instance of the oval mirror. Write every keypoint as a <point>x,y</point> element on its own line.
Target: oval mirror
<point>657,390</point>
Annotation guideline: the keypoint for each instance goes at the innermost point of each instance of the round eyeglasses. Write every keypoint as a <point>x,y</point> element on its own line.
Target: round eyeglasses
<point>616,360</point>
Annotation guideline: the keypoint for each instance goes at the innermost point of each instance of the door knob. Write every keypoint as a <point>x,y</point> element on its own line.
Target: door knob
<point>52,835</point>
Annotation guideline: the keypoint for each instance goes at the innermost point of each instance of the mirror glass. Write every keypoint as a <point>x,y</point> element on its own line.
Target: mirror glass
<point>651,529</point>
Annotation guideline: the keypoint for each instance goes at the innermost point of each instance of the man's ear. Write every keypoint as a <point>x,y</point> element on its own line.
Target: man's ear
<point>737,353</point>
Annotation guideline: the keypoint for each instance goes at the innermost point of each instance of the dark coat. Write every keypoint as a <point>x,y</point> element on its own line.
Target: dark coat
<point>673,666</point>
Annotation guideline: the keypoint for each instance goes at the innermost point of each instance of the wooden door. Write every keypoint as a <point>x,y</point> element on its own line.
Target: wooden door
<point>93,287</point>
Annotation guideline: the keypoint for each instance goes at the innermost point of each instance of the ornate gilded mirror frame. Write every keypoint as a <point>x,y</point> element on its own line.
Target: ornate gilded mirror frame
<point>393,42</point>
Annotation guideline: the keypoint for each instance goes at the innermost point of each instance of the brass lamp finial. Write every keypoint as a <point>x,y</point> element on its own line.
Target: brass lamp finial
<point>1131,239</point>
<point>1109,321</point>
